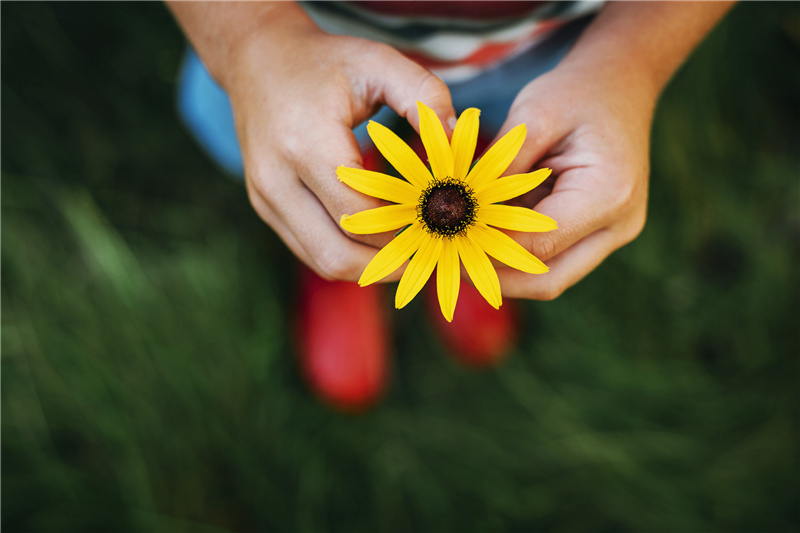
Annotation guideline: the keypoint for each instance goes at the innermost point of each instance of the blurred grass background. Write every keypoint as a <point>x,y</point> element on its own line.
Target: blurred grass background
<point>148,382</point>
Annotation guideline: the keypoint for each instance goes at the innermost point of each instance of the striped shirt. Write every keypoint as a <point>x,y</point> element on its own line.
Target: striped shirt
<point>456,40</point>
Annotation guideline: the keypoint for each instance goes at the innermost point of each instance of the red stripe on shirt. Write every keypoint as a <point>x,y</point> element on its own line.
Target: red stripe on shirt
<point>486,54</point>
<point>451,9</point>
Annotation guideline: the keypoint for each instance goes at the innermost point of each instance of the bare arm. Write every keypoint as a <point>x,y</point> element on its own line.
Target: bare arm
<point>646,39</point>
<point>218,31</point>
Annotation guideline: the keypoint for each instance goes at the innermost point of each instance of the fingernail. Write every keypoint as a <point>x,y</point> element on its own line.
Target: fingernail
<point>452,123</point>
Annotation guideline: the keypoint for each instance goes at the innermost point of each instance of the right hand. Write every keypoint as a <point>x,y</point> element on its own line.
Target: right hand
<point>297,93</point>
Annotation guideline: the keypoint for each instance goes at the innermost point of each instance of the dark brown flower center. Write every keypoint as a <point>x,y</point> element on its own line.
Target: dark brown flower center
<point>447,207</point>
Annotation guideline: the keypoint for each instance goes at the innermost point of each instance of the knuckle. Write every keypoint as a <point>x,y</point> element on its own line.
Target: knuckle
<point>255,193</point>
<point>291,145</point>
<point>260,189</point>
<point>334,267</point>
<point>543,247</point>
<point>432,92</point>
<point>356,46</point>
<point>534,121</point>
<point>251,187</point>
<point>432,87</point>
<point>628,191</point>
<point>385,52</point>
<point>548,291</point>
<point>638,225</point>
<point>622,195</point>
<point>632,229</point>
<point>254,179</point>
<point>379,55</point>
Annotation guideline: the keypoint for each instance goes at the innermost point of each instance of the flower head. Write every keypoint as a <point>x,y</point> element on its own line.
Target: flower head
<point>446,213</point>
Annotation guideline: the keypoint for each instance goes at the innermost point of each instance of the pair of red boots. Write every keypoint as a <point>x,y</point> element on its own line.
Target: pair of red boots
<point>345,341</point>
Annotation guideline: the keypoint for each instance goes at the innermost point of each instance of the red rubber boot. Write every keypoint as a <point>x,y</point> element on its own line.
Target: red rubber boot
<point>479,336</point>
<point>343,341</point>
<point>343,336</point>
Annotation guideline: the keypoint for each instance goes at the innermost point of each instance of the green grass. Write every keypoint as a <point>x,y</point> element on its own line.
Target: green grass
<point>149,384</point>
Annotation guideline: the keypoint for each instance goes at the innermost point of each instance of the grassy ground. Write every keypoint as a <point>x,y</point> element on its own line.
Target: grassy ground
<point>148,383</point>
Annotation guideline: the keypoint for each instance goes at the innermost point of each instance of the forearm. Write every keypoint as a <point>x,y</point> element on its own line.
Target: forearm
<point>219,30</point>
<point>644,42</point>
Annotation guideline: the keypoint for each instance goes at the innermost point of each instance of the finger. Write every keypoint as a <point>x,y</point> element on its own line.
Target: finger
<point>334,146</point>
<point>285,234</point>
<point>543,134</point>
<point>330,252</point>
<point>401,83</point>
<point>538,194</point>
<point>565,270</point>
<point>269,216</point>
<point>274,221</point>
<point>577,212</point>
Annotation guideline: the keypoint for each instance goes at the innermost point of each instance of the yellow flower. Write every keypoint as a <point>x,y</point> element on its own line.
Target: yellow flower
<point>447,211</point>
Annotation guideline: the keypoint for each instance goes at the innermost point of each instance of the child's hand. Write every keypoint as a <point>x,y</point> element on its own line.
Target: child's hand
<point>594,133</point>
<point>589,120</point>
<point>296,93</point>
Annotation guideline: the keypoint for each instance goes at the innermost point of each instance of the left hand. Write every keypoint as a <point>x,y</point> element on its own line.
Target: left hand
<point>593,129</point>
<point>589,120</point>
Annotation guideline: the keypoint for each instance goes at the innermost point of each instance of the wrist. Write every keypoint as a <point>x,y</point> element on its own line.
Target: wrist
<point>616,77</point>
<point>221,33</point>
<point>642,44</point>
<point>279,44</point>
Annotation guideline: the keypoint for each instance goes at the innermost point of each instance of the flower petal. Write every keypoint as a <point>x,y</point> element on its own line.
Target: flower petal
<point>435,141</point>
<point>379,185</point>
<point>393,255</point>
<point>418,270</point>
<point>379,219</point>
<point>511,186</point>
<point>507,250</point>
<point>465,137</point>
<point>399,155</point>
<point>448,278</point>
<point>480,270</point>
<point>497,159</point>
<point>515,218</point>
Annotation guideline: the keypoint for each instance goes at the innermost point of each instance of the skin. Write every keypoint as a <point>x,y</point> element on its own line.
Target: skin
<point>297,92</point>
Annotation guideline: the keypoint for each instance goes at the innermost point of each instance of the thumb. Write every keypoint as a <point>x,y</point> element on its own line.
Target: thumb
<point>542,135</point>
<point>400,83</point>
